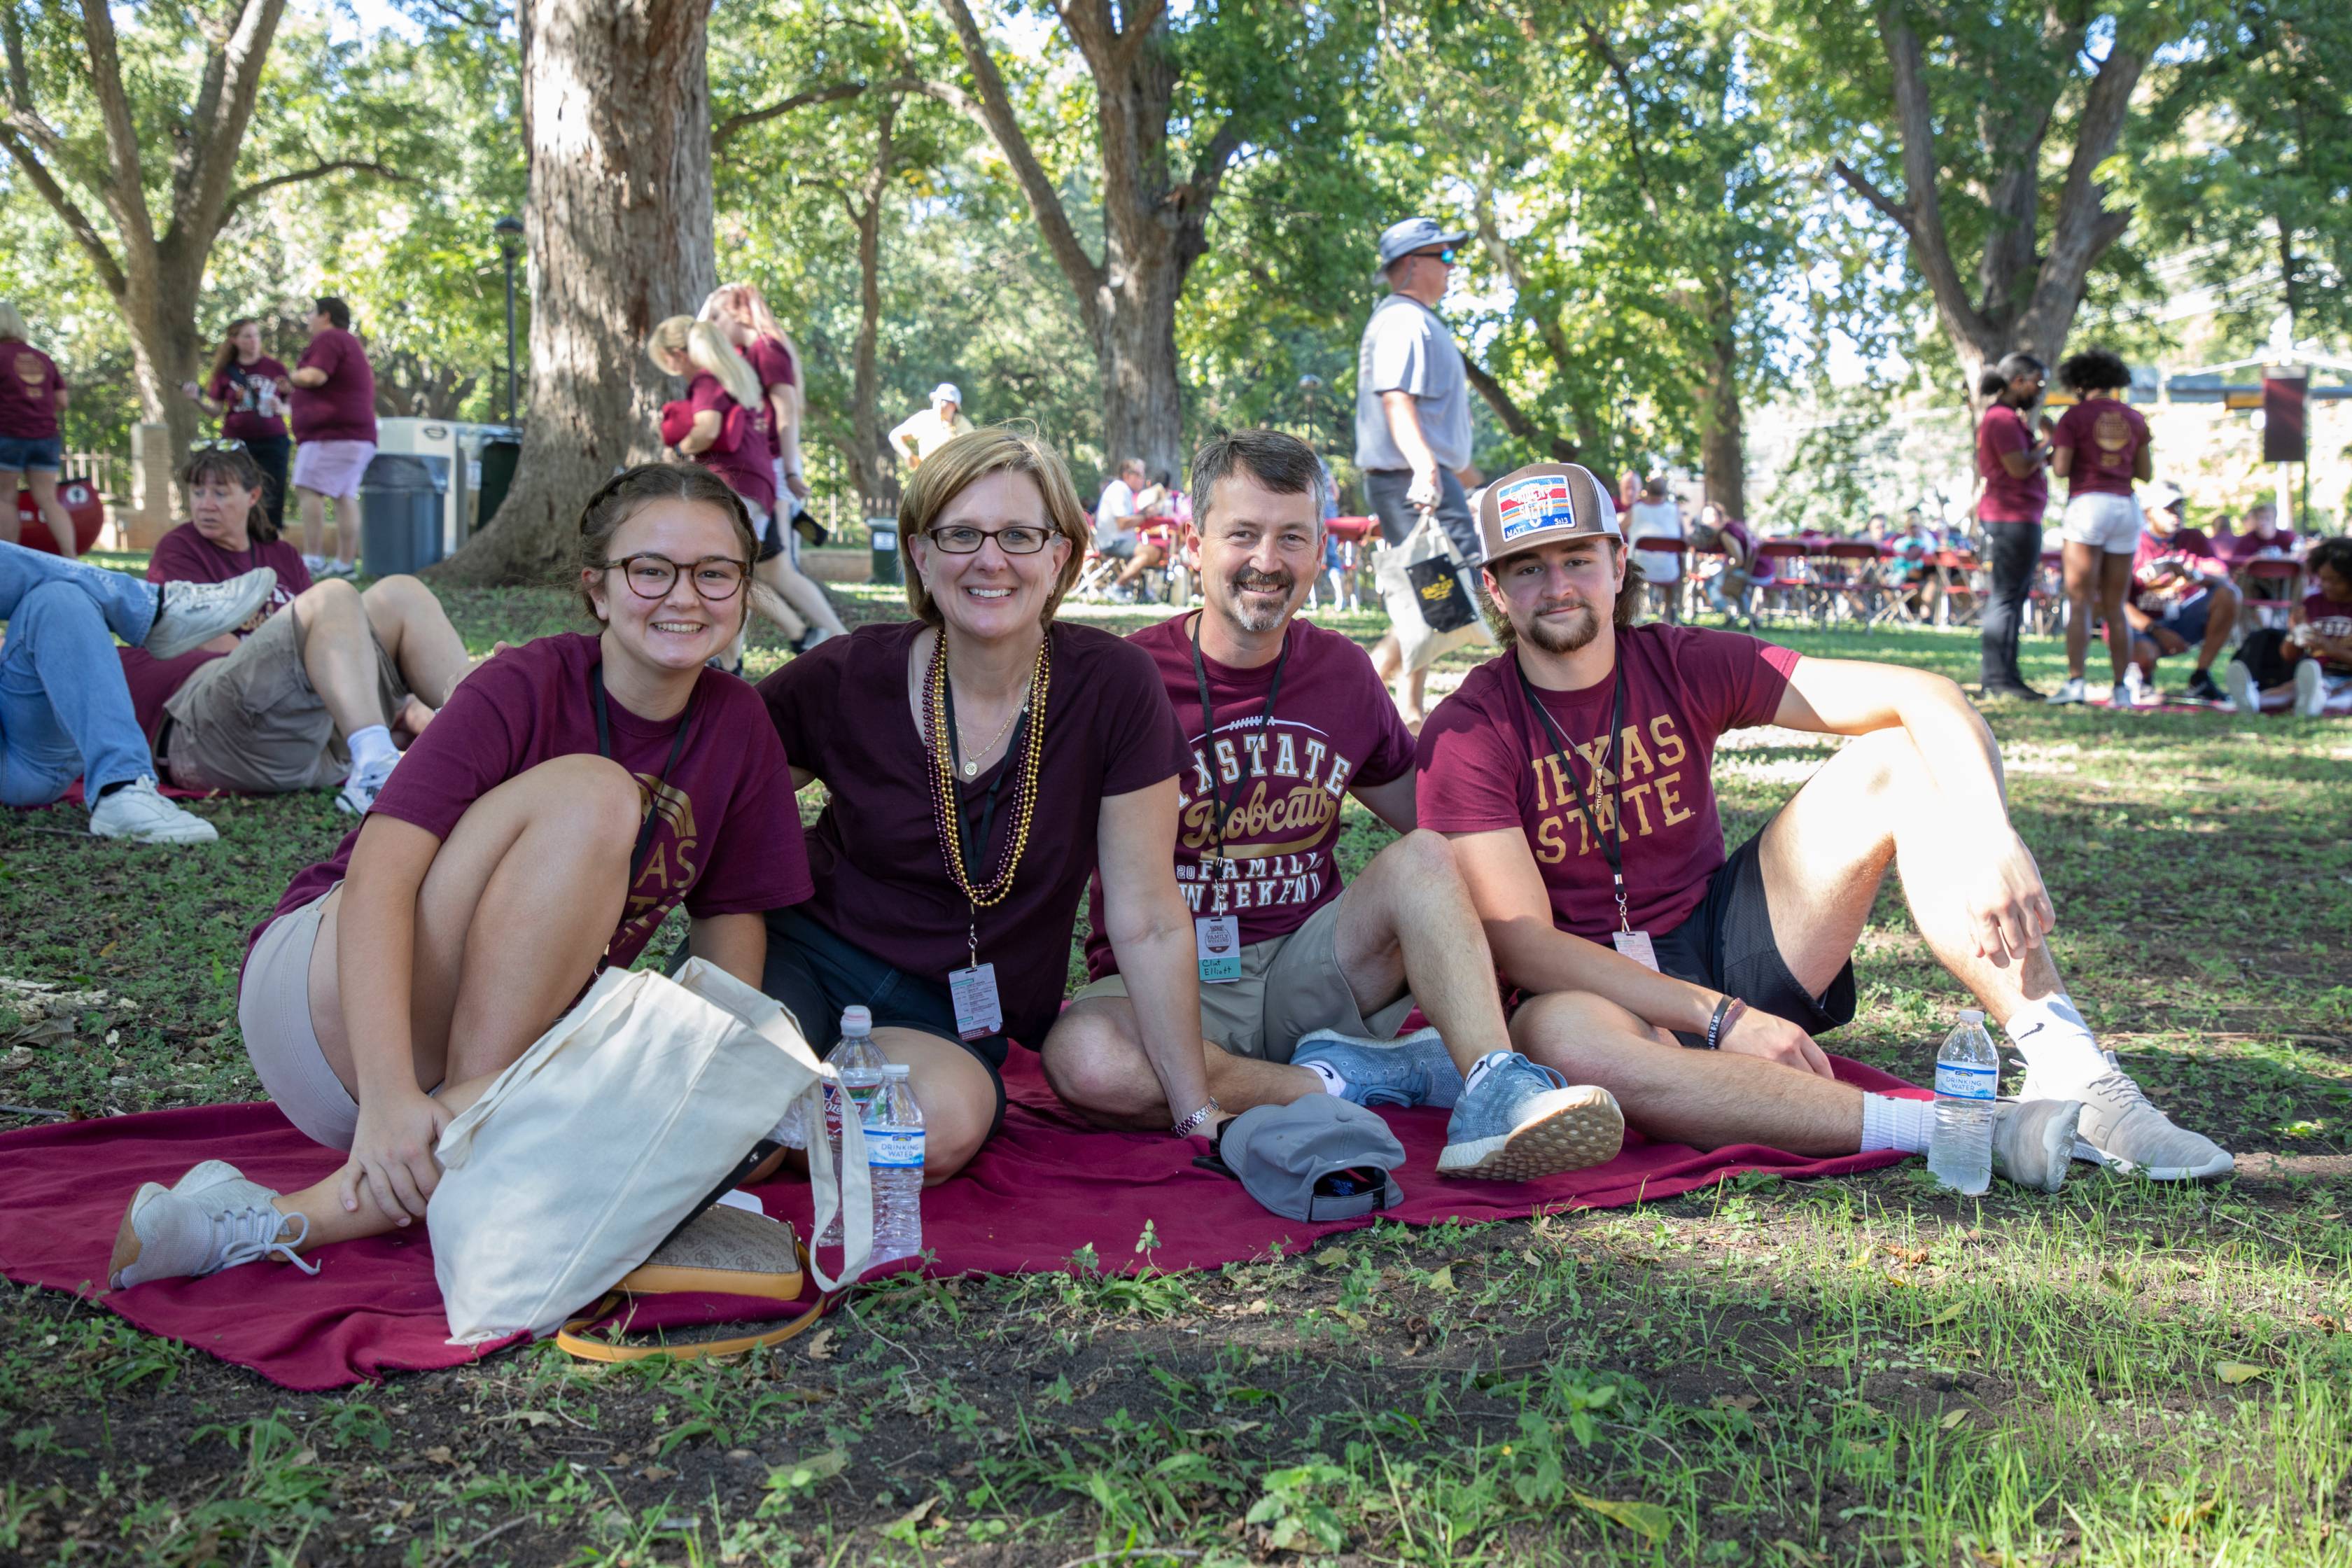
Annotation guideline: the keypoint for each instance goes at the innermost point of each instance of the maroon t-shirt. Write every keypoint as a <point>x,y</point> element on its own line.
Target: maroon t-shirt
<point>2107,434</point>
<point>843,711</point>
<point>1488,763</point>
<point>184,555</point>
<point>239,387</point>
<point>2006,497</point>
<point>1284,779</point>
<point>773,363</point>
<point>2237,549</point>
<point>748,470</point>
<point>29,385</point>
<point>2330,618</point>
<point>343,407</point>
<point>2170,570</point>
<point>728,839</point>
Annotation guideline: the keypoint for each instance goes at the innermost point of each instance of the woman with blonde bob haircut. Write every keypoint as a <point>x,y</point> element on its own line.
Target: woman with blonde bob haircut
<point>982,762</point>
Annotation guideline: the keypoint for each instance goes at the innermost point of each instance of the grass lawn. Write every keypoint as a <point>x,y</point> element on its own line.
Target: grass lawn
<point>1862,1370</point>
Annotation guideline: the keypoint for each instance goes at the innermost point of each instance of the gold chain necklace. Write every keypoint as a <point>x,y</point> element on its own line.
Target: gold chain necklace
<point>947,809</point>
<point>971,768</point>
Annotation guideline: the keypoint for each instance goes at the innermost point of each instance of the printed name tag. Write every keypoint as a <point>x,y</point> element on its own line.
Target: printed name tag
<point>977,1010</point>
<point>1217,940</point>
<point>1636,945</point>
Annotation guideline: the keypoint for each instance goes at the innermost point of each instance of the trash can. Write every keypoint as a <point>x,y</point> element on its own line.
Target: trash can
<point>885,533</point>
<point>499,457</point>
<point>400,512</point>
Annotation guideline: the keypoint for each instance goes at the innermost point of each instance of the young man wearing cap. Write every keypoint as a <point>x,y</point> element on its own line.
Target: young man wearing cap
<point>1573,776</point>
<point>1413,414</point>
<point>925,430</point>
<point>2182,598</point>
<point>1305,982</point>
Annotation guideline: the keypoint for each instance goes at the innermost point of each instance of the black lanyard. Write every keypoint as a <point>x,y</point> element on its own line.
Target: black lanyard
<point>975,846</point>
<point>676,749</point>
<point>1616,790</point>
<point>1209,735</point>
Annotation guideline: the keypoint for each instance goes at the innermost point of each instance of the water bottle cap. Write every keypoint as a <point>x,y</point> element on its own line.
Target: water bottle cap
<point>896,1069</point>
<point>1971,1016</point>
<point>856,1020</point>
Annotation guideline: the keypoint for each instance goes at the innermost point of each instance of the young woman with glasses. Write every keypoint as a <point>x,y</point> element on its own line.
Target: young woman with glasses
<point>981,761</point>
<point>574,792</point>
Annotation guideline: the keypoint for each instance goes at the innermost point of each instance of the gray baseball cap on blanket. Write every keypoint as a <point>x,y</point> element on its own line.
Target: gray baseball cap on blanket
<point>1282,1151</point>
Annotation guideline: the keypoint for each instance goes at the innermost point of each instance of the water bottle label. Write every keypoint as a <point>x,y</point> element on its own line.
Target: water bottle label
<point>899,1149</point>
<point>1961,1080</point>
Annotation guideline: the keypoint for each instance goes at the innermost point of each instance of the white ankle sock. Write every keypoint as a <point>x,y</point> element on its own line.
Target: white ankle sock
<point>1484,1064</point>
<point>366,745</point>
<point>2057,1044</point>
<point>1332,1082</point>
<point>1890,1123</point>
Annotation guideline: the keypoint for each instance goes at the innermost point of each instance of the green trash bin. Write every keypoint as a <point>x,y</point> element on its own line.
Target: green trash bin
<point>499,460</point>
<point>884,530</point>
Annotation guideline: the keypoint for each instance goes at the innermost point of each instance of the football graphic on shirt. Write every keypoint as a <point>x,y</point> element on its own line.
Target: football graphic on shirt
<point>2112,433</point>
<point>30,372</point>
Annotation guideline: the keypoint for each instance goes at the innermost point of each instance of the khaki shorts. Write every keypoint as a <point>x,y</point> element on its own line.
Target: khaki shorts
<point>273,1013</point>
<point>1291,986</point>
<point>251,722</point>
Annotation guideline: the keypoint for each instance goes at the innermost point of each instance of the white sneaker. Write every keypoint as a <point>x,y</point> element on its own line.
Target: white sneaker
<point>139,811</point>
<point>2310,689</point>
<point>2069,689</point>
<point>2135,693</point>
<point>329,566</point>
<point>2120,1128</point>
<point>2033,1141</point>
<point>316,565</point>
<point>208,1220</point>
<point>192,613</point>
<point>2243,697</point>
<point>364,783</point>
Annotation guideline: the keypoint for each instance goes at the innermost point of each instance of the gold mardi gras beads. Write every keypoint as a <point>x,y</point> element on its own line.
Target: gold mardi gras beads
<point>947,816</point>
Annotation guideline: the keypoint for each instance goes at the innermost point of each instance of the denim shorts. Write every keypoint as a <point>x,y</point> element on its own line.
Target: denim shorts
<point>24,454</point>
<point>2185,618</point>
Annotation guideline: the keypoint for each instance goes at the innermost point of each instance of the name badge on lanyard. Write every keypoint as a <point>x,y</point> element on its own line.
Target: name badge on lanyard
<point>978,1012</point>
<point>1217,939</point>
<point>1635,944</point>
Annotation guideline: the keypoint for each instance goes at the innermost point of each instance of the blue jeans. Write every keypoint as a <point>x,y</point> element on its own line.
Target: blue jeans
<point>65,712</point>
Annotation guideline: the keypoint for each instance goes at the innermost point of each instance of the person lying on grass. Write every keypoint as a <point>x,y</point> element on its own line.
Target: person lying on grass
<point>1572,774</point>
<point>574,790</point>
<point>310,693</point>
<point>1305,982</point>
<point>981,761</point>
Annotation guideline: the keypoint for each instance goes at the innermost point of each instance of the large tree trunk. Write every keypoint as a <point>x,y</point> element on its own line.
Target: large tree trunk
<point>616,114</point>
<point>1723,433</point>
<point>873,463</point>
<point>1135,351</point>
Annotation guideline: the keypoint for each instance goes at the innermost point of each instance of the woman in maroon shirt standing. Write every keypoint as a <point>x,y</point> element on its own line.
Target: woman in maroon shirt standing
<point>32,454</point>
<point>248,390</point>
<point>2010,504</point>
<point>981,761</point>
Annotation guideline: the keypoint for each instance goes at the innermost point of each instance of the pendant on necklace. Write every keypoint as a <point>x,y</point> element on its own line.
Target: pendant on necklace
<point>971,769</point>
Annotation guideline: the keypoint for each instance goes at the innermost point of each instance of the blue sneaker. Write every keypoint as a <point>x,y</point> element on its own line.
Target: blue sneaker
<point>1415,1069</point>
<point>1525,1120</point>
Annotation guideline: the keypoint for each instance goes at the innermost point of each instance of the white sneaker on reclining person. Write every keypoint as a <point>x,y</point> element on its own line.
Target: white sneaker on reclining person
<point>2121,1129</point>
<point>2033,1141</point>
<point>208,1220</point>
<point>365,781</point>
<point>2069,689</point>
<point>191,615</point>
<point>2310,689</point>
<point>139,811</point>
<point>2244,696</point>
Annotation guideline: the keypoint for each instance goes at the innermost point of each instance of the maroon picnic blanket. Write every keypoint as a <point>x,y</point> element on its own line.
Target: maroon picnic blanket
<point>1042,1190</point>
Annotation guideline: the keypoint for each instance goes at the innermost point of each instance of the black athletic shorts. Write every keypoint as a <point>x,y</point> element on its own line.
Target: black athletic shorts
<point>1726,945</point>
<point>816,973</point>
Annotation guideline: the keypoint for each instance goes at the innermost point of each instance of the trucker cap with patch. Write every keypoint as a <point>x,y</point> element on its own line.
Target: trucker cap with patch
<point>1318,1158</point>
<point>1541,503</point>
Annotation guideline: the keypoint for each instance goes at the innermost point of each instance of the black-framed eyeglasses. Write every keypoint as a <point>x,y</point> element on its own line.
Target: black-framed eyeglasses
<point>1013,539</point>
<point>217,444</point>
<point>717,578</point>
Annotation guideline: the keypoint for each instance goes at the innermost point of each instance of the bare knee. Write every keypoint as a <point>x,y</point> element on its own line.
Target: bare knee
<point>333,599</point>
<point>1885,762</point>
<point>1578,1033</point>
<point>592,797</point>
<point>1091,1060</point>
<point>400,593</point>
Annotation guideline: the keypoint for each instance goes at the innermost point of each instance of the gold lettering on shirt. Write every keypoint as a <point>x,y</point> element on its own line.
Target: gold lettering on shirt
<point>1662,734</point>
<point>670,867</point>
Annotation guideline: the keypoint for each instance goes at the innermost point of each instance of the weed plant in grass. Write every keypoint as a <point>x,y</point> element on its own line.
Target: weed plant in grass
<point>1867,1371</point>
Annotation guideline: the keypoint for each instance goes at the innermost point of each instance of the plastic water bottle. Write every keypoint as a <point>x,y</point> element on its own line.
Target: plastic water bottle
<point>894,1155</point>
<point>1968,1080</point>
<point>860,1063</point>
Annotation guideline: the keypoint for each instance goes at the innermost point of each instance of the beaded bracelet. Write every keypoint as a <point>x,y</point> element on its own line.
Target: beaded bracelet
<point>1192,1124</point>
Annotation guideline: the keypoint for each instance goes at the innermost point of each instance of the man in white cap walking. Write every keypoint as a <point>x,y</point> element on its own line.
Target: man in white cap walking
<point>1412,413</point>
<point>1573,776</point>
<point>925,430</point>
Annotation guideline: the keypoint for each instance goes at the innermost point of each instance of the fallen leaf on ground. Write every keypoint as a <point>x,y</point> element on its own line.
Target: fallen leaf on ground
<point>1335,1258</point>
<point>1737,1401</point>
<point>1952,1419</point>
<point>1645,1519</point>
<point>819,1345</point>
<point>1946,1316</point>
<point>1441,1281</point>
<point>2239,1372</point>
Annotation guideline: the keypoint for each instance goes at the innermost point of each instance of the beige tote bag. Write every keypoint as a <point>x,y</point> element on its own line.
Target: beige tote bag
<point>609,1132</point>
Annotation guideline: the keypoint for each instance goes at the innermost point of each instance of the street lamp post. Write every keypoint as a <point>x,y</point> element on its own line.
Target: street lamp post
<point>509,232</point>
